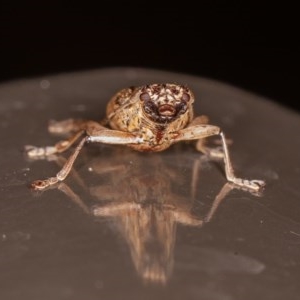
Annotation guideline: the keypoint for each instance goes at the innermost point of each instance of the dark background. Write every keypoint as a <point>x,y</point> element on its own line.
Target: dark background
<point>253,46</point>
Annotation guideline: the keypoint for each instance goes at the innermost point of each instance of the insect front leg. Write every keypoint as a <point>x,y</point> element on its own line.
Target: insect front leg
<point>109,136</point>
<point>63,173</point>
<point>202,131</point>
<point>94,133</point>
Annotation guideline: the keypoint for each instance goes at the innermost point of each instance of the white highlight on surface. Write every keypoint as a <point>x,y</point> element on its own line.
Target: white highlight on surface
<point>45,84</point>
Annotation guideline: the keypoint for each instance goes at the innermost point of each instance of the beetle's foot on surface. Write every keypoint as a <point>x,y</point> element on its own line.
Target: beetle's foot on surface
<point>252,185</point>
<point>43,184</point>
<point>32,151</point>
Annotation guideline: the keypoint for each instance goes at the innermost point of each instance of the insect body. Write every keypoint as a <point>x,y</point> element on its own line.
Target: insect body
<point>147,118</point>
<point>154,113</point>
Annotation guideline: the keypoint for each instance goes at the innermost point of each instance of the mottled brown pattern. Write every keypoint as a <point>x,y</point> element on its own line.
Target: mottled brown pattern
<point>155,128</point>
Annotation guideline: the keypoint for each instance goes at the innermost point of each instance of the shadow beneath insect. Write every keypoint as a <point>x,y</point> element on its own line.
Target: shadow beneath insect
<point>146,196</point>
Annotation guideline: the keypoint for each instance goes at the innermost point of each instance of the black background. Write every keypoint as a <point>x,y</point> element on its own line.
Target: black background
<point>253,46</point>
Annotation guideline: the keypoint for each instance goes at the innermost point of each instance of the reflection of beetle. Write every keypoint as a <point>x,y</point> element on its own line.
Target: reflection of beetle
<point>147,118</point>
<point>145,198</point>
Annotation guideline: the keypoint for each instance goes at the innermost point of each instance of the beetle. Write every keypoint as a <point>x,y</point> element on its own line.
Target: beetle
<point>147,118</point>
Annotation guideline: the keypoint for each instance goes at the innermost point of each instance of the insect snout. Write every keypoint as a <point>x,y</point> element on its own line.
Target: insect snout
<point>163,103</point>
<point>166,110</point>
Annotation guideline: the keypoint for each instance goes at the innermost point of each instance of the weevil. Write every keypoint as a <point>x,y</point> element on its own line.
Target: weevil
<point>148,118</point>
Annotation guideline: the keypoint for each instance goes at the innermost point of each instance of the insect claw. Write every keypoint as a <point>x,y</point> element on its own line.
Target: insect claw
<point>42,184</point>
<point>259,183</point>
<point>29,149</point>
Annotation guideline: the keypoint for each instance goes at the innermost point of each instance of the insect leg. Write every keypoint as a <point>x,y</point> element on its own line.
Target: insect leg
<point>201,145</point>
<point>63,173</point>
<point>203,131</point>
<point>110,136</point>
<point>226,188</point>
<point>59,147</point>
<point>79,126</point>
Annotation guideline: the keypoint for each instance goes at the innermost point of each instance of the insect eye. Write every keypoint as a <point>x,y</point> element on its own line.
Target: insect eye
<point>185,97</point>
<point>145,96</point>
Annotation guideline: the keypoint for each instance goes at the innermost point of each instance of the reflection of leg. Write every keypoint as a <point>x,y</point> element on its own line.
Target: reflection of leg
<point>227,187</point>
<point>116,209</point>
<point>74,197</point>
<point>186,218</point>
<point>195,177</point>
